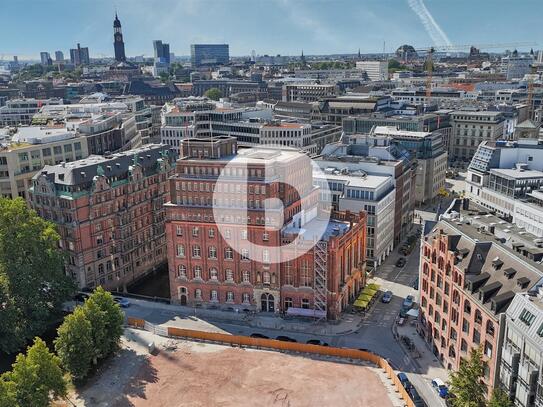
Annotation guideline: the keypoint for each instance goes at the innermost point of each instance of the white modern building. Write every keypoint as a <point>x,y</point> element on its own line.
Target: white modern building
<point>506,177</point>
<point>375,70</point>
<point>356,191</point>
<point>521,363</point>
<point>18,112</point>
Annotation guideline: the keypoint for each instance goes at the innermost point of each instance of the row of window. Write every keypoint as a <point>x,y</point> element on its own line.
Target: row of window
<point>195,232</point>
<point>212,253</point>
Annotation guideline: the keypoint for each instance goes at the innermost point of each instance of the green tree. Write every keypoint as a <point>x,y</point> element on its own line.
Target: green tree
<point>74,344</point>
<point>37,377</point>
<point>33,284</point>
<point>499,399</point>
<point>164,76</point>
<point>466,383</point>
<point>7,391</point>
<point>108,328</point>
<point>97,320</point>
<point>214,94</point>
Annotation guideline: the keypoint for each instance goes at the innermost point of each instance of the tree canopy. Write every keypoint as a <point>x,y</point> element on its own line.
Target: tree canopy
<point>214,94</point>
<point>74,344</point>
<point>33,284</point>
<point>36,378</point>
<point>92,332</point>
<point>466,383</point>
<point>499,399</point>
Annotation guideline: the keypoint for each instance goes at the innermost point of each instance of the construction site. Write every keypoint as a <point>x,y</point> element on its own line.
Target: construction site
<point>186,373</point>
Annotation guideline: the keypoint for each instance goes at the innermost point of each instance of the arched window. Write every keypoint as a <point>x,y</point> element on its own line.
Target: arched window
<point>467,307</point>
<point>198,294</point>
<point>228,253</point>
<point>196,251</point>
<point>212,252</point>
<point>229,275</point>
<point>478,317</point>
<point>425,269</point>
<point>213,273</point>
<point>246,276</point>
<point>246,298</point>
<point>214,295</point>
<point>182,271</point>
<point>490,328</point>
<point>197,272</point>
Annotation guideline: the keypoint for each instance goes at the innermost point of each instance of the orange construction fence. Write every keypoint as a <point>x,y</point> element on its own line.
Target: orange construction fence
<point>286,346</point>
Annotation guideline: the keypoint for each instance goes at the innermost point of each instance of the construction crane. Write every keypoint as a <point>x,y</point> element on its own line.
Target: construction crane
<point>431,50</point>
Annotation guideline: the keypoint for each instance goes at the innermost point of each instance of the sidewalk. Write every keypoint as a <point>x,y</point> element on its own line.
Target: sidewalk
<point>348,324</point>
<point>426,362</point>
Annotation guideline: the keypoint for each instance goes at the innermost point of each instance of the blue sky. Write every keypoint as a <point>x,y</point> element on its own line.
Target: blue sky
<point>266,26</point>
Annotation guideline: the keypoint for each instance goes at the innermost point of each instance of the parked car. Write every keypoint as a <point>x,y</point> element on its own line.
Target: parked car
<point>403,378</point>
<point>285,339</point>
<point>414,394</point>
<point>440,387</point>
<point>316,342</point>
<point>401,262</point>
<point>387,297</point>
<point>81,297</point>
<point>408,302</point>
<point>260,336</point>
<point>123,302</point>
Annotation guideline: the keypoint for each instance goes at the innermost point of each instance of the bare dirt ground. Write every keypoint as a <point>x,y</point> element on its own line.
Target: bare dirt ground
<point>198,375</point>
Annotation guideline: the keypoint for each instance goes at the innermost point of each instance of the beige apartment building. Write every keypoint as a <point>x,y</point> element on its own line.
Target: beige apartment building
<point>27,151</point>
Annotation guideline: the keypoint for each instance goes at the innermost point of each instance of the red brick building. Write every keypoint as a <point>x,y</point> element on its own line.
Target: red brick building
<point>109,213</point>
<point>467,281</point>
<point>219,260</point>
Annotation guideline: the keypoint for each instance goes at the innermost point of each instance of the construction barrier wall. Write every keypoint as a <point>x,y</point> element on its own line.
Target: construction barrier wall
<point>238,340</point>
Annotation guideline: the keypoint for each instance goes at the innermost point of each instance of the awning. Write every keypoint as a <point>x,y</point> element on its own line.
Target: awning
<point>373,286</point>
<point>361,303</point>
<point>365,297</point>
<point>306,312</point>
<point>368,291</point>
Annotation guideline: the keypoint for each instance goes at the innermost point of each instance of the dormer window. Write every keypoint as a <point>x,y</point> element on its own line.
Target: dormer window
<point>497,263</point>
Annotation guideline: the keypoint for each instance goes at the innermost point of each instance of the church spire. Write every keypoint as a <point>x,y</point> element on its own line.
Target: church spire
<point>118,43</point>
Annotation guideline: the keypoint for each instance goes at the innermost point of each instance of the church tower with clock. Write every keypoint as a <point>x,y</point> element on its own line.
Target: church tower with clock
<point>118,43</point>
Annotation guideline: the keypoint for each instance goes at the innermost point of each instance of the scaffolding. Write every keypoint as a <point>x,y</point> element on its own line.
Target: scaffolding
<point>320,253</point>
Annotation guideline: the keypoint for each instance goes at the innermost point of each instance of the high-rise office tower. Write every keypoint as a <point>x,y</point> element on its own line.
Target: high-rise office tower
<point>59,56</point>
<point>45,58</point>
<point>162,51</point>
<point>209,54</point>
<point>79,55</point>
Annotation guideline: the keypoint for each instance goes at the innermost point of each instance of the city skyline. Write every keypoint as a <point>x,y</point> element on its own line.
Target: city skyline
<point>317,27</point>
